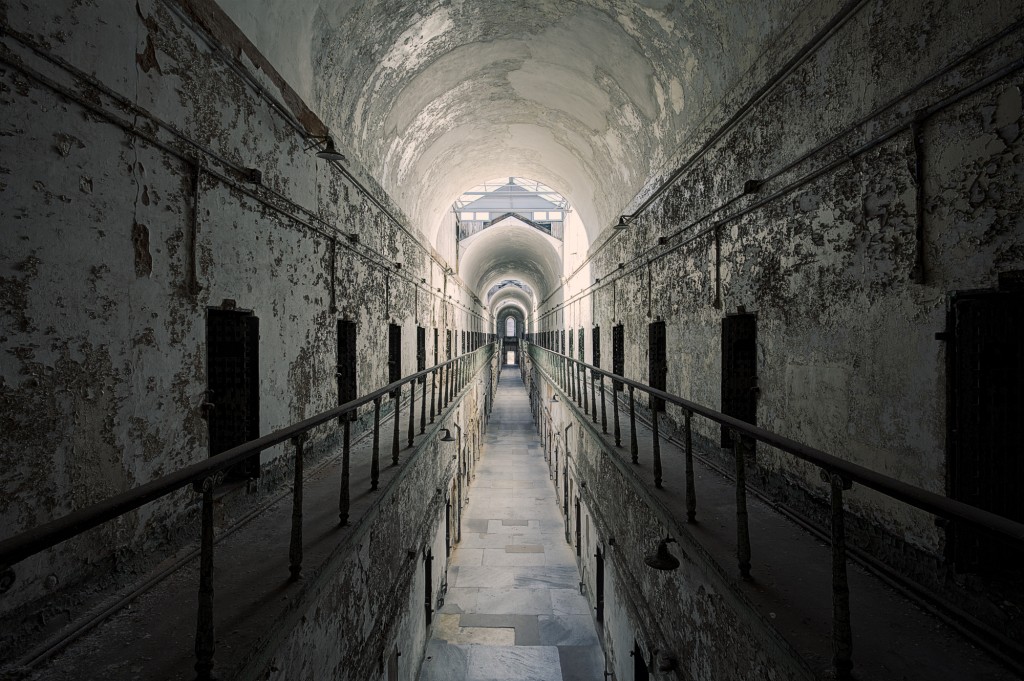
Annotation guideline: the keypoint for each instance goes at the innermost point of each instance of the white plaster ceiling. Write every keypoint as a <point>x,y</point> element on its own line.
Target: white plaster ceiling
<point>592,97</point>
<point>511,250</point>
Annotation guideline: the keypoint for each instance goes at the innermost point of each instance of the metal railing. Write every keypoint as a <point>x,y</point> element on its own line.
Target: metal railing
<point>446,381</point>
<point>572,375</point>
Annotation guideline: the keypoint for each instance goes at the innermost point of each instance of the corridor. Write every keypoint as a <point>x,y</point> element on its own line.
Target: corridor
<point>513,609</point>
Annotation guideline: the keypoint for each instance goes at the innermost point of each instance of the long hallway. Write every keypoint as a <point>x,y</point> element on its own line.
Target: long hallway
<point>513,609</point>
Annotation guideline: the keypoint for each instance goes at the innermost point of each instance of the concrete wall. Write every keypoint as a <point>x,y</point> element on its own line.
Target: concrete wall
<point>847,356</point>
<point>127,213</point>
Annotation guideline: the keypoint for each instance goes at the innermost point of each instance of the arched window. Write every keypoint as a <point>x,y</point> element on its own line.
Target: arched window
<point>510,327</point>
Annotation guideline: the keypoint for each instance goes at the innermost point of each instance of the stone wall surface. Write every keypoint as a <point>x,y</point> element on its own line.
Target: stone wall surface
<point>128,211</point>
<point>825,251</point>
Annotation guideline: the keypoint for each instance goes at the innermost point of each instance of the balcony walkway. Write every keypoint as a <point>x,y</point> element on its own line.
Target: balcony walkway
<point>513,608</point>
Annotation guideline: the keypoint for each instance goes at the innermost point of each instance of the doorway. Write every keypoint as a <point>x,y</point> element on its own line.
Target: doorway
<point>739,370</point>
<point>985,384</point>
<point>232,366</point>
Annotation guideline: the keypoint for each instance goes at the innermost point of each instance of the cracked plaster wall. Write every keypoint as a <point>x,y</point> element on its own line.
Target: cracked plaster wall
<point>847,356</point>
<point>103,361</point>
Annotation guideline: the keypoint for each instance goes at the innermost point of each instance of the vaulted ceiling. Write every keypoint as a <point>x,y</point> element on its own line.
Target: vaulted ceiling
<point>592,97</point>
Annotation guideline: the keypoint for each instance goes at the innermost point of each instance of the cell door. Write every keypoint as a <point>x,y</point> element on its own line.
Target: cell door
<point>657,362</point>
<point>347,364</point>
<point>985,376</point>
<point>595,347</point>
<point>232,365</point>
<point>739,370</point>
<point>618,353</point>
<point>428,585</point>
<point>435,346</point>
<point>421,351</point>
<point>394,355</point>
<point>579,345</point>
<point>599,581</point>
<point>640,672</point>
<point>579,529</point>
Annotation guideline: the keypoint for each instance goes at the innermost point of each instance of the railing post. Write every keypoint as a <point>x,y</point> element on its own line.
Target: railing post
<point>604,412</point>
<point>691,492</point>
<point>206,641</point>
<point>346,472</point>
<point>423,406</point>
<point>615,415</point>
<point>593,399</point>
<point>295,546</point>
<point>395,416</point>
<point>842,635</point>
<point>375,461</point>
<point>634,451</point>
<point>412,411</point>
<point>433,393</point>
<point>656,449</point>
<point>742,526</point>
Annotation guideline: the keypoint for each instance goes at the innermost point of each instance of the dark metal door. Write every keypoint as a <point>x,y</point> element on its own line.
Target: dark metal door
<point>582,355</point>
<point>618,353</point>
<point>428,585</point>
<point>394,352</point>
<point>232,363</point>
<point>640,672</point>
<point>421,351</point>
<point>657,362</point>
<point>985,371</point>
<point>579,529</point>
<point>739,370</point>
<point>347,364</point>
<point>572,343</point>
<point>599,580</point>
<point>595,345</point>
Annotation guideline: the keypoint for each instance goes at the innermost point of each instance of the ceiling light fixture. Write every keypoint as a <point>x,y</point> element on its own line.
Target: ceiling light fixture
<point>662,559</point>
<point>624,221</point>
<point>329,152</point>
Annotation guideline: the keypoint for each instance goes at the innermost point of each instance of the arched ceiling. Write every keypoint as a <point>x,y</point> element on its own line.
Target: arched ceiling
<point>592,97</point>
<point>511,250</point>
<point>517,298</point>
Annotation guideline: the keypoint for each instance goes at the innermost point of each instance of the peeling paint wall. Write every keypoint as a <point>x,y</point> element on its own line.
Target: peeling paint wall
<point>128,211</point>
<point>825,252</point>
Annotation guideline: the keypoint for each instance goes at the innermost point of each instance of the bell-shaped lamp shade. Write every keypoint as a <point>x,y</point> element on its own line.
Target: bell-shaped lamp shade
<point>554,399</point>
<point>447,437</point>
<point>662,559</point>
<point>623,223</point>
<point>329,152</point>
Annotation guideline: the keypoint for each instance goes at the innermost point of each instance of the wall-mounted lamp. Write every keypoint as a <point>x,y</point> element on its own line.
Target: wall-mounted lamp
<point>623,222</point>
<point>398,265</point>
<point>447,437</point>
<point>329,152</point>
<point>554,399</point>
<point>661,559</point>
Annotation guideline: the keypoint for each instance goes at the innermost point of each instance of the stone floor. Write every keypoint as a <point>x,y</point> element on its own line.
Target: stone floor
<point>513,608</point>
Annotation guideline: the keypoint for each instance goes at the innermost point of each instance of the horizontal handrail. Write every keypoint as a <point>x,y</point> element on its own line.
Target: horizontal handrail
<point>41,537</point>
<point>905,492</point>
